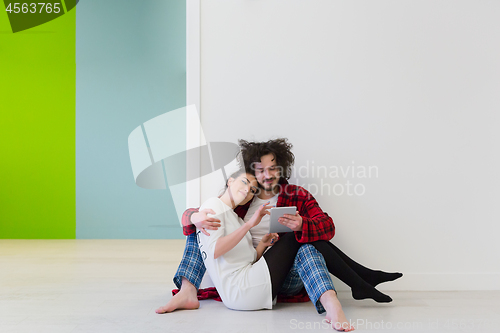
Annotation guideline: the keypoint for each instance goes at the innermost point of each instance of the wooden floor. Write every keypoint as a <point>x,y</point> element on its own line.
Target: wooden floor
<point>115,286</point>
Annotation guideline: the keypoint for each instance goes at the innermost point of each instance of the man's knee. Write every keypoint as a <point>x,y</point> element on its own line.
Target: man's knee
<point>307,250</point>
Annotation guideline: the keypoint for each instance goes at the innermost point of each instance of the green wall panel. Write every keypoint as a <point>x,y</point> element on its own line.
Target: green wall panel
<point>37,135</point>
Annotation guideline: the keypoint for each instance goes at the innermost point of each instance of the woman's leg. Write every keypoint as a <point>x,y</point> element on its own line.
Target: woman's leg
<point>371,276</point>
<point>280,258</point>
<point>338,267</point>
<point>292,285</point>
<point>187,278</point>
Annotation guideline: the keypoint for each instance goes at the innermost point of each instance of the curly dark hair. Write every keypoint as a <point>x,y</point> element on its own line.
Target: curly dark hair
<point>280,148</point>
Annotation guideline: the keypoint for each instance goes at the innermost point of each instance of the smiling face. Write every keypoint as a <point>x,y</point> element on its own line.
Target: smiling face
<point>267,172</point>
<point>242,188</point>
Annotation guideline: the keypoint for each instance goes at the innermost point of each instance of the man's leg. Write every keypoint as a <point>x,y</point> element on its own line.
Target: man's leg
<point>191,267</point>
<point>313,271</point>
<point>187,278</point>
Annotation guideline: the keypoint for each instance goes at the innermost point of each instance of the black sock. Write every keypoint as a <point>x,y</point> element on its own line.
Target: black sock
<point>371,276</point>
<point>339,268</point>
<point>380,276</point>
<point>372,293</point>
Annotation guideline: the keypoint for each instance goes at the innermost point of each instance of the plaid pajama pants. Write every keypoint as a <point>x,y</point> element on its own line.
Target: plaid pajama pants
<point>309,270</point>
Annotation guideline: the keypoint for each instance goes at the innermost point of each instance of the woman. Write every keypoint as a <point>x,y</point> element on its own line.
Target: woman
<point>246,277</point>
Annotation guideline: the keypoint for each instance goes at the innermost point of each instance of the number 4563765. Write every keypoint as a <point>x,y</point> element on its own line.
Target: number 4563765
<point>34,8</point>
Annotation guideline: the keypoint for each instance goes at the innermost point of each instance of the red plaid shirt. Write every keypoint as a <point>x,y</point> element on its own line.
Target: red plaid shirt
<point>316,224</point>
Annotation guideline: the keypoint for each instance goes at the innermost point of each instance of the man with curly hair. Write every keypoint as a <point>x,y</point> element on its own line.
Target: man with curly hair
<point>271,162</point>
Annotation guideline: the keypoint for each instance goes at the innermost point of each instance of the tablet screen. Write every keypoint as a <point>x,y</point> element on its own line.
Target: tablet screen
<point>276,213</point>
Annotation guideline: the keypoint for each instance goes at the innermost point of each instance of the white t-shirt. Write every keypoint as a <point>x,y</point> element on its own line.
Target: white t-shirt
<point>262,228</point>
<point>242,284</point>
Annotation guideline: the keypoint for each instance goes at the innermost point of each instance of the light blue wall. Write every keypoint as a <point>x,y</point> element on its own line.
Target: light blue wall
<point>131,67</point>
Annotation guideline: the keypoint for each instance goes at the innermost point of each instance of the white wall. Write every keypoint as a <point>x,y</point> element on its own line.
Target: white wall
<point>411,87</point>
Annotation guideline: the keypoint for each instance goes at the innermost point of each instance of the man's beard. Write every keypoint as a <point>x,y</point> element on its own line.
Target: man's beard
<point>269,188</point>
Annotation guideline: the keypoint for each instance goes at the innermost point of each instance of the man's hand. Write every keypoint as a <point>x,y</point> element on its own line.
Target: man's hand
<point>293,222</point>
<point>203,222</point>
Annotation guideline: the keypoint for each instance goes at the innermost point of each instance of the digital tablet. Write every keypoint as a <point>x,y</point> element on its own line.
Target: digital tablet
<point>276,213</point>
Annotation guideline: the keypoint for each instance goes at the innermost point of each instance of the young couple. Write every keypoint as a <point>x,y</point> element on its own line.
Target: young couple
<point>234,249</point>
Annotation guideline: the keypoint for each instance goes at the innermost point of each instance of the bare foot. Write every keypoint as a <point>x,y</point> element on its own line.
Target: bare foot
<point>334,314</point>
<point>186,299</point>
